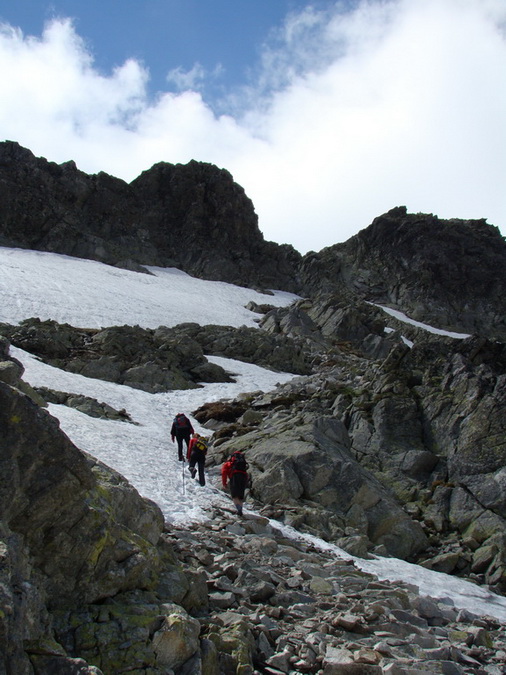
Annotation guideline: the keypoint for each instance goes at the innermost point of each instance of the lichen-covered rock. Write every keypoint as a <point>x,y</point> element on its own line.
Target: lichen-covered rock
<point>153,360</point>
<point>392,449</point>
<point>177,639</point>
<point>149,360</point>
<point>312,463</point>
<point>73,533</point>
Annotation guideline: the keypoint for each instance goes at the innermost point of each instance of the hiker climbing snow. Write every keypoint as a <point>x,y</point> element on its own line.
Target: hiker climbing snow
<point>235,471</point>
<point>197,456</point>
<point>181,431</point>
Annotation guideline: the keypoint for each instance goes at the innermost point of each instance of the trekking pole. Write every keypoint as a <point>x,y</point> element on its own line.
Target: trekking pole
<point>183,463</point>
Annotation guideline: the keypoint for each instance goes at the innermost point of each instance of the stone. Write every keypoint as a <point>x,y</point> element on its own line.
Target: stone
<point>445,562</point>
<point>222,600</point>
<point>177,639</point>
<point>483,557</point>
<point>251,417</point>
<point>321,586</point>
<point>280,661</point>
<point>10,372</point>
<point>264,647</point>
<point>427,608</point>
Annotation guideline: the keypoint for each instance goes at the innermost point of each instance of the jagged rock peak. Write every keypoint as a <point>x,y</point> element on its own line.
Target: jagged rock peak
<point>192,216</point>
<point>448,273</point>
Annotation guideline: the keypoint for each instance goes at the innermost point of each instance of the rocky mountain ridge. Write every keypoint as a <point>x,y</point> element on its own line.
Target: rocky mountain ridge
<point>390,442</point>
<point>191,216</point>
<point>448,273</point>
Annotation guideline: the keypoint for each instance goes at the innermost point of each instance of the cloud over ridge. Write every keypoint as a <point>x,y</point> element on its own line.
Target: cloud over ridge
<point>348,113</point>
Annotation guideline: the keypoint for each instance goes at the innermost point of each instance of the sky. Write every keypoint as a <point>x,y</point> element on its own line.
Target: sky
<point>144,453</point>
<point>327,113</point>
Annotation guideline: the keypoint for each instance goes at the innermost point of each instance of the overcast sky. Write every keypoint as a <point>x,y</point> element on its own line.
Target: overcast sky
<point>327,114</point>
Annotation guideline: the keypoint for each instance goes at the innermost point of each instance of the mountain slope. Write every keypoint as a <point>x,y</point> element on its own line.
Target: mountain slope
<point>390,443</point>
<point>143,579</point>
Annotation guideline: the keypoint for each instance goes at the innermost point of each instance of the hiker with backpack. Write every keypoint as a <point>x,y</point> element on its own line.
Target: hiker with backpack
<point>181,431</point>
<point>235,471</point>
<point>197,456</point>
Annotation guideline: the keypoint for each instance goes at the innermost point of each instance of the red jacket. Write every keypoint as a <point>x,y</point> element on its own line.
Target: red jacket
<point>190,447</point>
<point>226,472</point>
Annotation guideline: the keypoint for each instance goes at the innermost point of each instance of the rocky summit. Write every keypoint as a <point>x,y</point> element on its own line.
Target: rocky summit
<point>389,442</point>
<point>192,216</point>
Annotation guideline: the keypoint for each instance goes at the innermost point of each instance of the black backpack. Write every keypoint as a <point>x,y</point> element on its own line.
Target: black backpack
<point>239,462</point>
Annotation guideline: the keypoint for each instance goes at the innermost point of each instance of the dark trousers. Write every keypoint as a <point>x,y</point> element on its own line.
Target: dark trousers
<point>182,435</point>
<point>238,485</point>
<point>198,458</point>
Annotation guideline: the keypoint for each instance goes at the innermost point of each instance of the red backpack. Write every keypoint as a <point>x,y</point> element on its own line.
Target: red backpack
<point>181,421</point>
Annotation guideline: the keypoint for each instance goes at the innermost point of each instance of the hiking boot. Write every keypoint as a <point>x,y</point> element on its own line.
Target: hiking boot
<point>193,472</point>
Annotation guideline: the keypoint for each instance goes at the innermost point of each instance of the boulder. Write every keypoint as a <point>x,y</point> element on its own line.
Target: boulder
<point>73,533</point>
<point>177,639</point>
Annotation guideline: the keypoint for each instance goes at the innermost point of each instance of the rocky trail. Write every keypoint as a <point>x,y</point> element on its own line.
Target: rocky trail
<point>280,605</point>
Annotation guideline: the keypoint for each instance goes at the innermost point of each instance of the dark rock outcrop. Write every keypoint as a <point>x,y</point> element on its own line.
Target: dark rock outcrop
<point>129,355</point>
<point>74,536</point>
<point>191,216</point>
<point>447,273</point>
<point>85,404</point>
<point>154,360</point>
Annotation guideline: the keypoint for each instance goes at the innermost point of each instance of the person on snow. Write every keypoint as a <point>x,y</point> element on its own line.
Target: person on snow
<point>181,431</point>
<point>197,456</point>
<point>235,471</point>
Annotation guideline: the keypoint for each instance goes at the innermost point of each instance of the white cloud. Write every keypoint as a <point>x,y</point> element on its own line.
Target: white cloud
<point>187,79</point>
<point>352,113</point>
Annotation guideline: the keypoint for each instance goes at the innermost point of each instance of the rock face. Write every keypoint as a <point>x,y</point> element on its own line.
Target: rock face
<point>402,456</point>
<point>191,216</point>
<point>447,273</point>
<point>73,534</point>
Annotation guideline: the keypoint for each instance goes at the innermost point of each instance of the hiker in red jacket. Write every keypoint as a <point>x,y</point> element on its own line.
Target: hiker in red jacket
<point>197,456</point>
<point>235,470</point>
<point>181,431</point>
